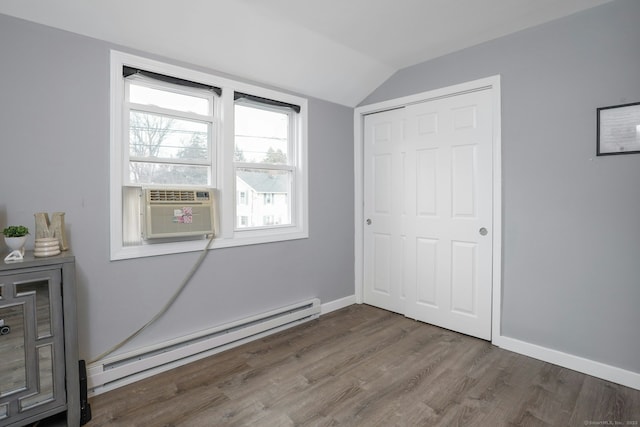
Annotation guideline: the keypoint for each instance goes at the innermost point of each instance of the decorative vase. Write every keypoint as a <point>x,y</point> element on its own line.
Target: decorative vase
<point>16,243</point>
<point>46,246</point>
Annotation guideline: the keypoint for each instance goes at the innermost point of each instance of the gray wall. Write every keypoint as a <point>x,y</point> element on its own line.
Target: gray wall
<point>54,156</point>
<point>571,220</point>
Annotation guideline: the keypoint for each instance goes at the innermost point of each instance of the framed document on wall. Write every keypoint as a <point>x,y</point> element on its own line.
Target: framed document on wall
<point>619,129</point>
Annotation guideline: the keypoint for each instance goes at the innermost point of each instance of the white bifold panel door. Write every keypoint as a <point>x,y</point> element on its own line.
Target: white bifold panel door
<point>428,211</point>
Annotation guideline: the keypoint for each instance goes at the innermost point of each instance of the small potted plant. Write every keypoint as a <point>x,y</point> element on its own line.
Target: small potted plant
<point>15,236</point>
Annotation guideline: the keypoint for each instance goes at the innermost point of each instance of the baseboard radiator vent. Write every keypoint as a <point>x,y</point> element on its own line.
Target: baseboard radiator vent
<point>123,369</point>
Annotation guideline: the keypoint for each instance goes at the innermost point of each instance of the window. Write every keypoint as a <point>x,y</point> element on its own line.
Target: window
<point>170,138</point>
<point>167,130</point>
<point>263,158</point>
<point>268,220</point>
<point>242,198</point>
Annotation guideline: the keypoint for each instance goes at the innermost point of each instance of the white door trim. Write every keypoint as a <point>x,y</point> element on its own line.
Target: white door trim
<point>493,83</point>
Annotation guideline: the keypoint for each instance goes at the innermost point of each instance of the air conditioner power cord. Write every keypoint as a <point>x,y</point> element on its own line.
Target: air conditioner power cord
<point>164,309</point>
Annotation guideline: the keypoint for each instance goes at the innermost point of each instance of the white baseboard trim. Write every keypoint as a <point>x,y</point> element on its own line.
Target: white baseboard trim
<point>337,304</point>
<point>570,361</point>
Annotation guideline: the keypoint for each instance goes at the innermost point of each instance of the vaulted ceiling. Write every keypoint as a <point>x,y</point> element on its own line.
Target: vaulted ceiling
<point>337,50</point>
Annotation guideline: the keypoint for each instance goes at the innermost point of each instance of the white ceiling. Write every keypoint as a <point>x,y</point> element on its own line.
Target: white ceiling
<point>337,50</point>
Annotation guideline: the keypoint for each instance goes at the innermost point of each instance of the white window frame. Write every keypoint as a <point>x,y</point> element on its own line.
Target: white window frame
<point>223,174</point>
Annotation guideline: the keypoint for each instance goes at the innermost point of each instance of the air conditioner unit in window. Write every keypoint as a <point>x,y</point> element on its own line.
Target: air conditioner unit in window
<point>177,212</point>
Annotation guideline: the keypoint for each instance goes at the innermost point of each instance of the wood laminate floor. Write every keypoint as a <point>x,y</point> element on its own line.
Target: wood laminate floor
<point>362,366</point>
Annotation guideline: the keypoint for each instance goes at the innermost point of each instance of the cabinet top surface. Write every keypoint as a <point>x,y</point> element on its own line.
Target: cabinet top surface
<point>32,261</point>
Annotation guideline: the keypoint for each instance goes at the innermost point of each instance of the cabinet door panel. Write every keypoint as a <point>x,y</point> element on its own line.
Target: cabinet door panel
<point>32,379</point>
<point>13,375</point>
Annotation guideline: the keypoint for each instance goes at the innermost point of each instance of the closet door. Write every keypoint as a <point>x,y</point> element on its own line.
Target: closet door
<point>429,208</point>
<point>384,237</point>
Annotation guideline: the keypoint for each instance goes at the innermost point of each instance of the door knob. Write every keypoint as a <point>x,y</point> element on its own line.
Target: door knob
<point>483,231</point>
<point>368,221</point>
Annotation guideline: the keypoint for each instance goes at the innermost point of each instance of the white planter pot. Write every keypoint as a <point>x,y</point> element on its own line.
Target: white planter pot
<point>16,243</point>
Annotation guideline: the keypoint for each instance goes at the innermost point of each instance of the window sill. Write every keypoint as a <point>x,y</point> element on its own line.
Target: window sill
<point>241,238</point>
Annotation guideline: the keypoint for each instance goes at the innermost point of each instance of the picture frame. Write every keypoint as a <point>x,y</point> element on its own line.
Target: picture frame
<point>618,129</point>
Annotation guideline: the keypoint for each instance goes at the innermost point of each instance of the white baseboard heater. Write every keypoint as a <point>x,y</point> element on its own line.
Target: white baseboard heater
<point>123,369</point>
